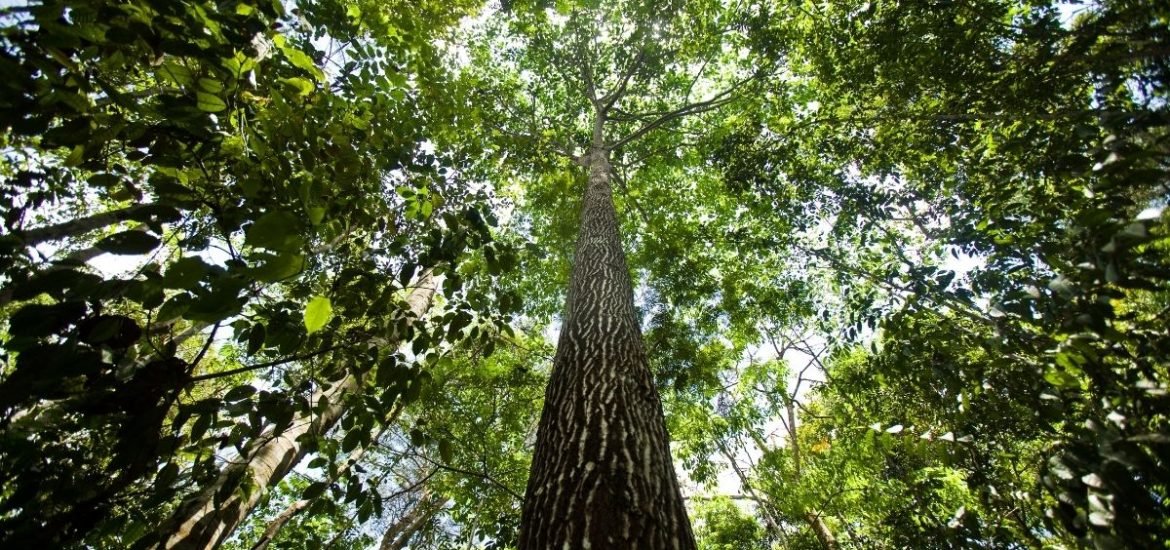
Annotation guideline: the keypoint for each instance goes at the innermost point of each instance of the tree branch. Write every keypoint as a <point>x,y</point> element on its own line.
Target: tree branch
<point>482,476</point>
<point>612,98</point>
<point>79,226</point>
<point>718,100</point>
<point>268,364</point>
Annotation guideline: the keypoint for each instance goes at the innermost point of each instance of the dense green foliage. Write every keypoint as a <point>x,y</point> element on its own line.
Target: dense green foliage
<point>903,273</point>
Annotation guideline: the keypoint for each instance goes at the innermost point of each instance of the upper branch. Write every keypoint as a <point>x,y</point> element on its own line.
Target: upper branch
<point>612,98</point>
<point>719,100</point>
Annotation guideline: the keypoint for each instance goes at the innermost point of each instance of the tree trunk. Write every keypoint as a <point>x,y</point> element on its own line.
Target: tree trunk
<point>763,506</point>
<point>821,529</point>
<point>81,226</point>
<point>602,475</point>
<point>277,523</point>
<point>202,523</point>
<point>75,259</point>
<point>399,534</point>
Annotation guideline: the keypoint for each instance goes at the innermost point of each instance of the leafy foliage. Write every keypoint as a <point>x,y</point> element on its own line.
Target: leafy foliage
<point>190,157</point>
<point>902,269</point>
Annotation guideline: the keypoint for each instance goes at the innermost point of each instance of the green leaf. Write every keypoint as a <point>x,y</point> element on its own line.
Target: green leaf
<point>130,243</point>
<point>301,86</point>
<point>256,338</point>
<point>314,490</point>
<point>104,180</point>
<point>316,214</point>
<point>185,273</point>
<point>57,283</point>
<point>301,60</point>
<point>446,451</point>
<point>1061,378</point>
<point>176,74</point>
<point>239,393</point>
<point>275,230</point>
<point>274,268</point>
<point>209,103</point>
<point>351,440</point>
<point>210,85</point>
<point>318,313</point>
<point>42,320</point>
<point>219,304</point>
<point>115,331</point>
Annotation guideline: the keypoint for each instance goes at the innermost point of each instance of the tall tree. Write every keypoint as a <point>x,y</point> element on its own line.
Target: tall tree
<point>602,434</point>
<point>606,78</point>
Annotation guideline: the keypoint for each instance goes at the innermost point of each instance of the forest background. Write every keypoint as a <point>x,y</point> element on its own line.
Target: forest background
<point>291,274</point>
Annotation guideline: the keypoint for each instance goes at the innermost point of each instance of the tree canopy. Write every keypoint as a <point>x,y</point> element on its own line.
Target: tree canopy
<point>292,273</point>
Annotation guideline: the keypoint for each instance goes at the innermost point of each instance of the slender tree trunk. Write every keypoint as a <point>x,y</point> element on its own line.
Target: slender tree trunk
<point>819,527</point>
<point>202,523</point>
<point>399,534</point>
<point>602,475</point>
<point>273,528</point>
<point>763,505</point>
<point>822,531</point>
<point>282,519</point>
<point>80,226</point>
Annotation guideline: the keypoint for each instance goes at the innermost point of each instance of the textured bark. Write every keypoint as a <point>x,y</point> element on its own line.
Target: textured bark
<point>602,475</point>
<point>200,523</point>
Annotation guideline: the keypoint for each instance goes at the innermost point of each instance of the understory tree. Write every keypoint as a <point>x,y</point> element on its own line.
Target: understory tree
<point>209,224</point>
<point>985,187</point>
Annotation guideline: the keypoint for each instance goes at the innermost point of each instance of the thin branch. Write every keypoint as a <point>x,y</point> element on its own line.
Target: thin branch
<point>268,364</point>
<point>587,76</point>
<point>558,148</point>
<point>718,100</point>
<point>480,475</point>
<point>206,345</point>
<point>612,98</point>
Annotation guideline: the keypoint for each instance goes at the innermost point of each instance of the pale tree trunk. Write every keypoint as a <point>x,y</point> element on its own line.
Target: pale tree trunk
<point>398,535</point>
<point>201,523</point>
<point>814,519</point>
<point>763,505</point>
<point>822,531</point>
<point>74,259</point>
<point>602,475</point>
<point>81,226</point>
<point>277,523</point>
